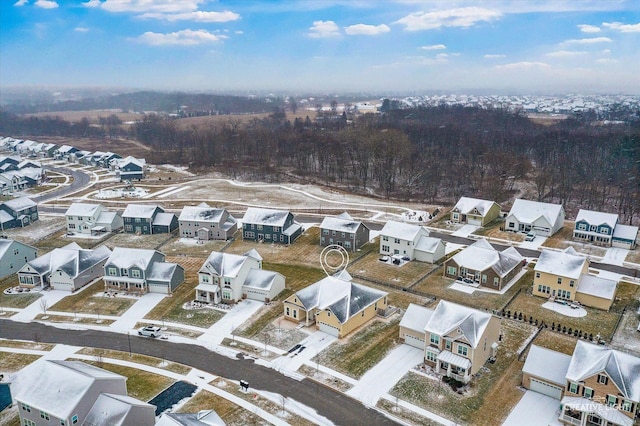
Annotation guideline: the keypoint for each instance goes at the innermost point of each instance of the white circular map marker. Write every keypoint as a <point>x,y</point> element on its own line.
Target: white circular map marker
<point>329,266</point>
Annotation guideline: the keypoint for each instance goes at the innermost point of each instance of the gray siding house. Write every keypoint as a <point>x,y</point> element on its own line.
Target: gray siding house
<point>206,223</point>
<point>141,271</point>
<point>344,231</point>
<point>148,219</point>
<point>17,213</point>
<point>271,226</point>
<point>14,255</point>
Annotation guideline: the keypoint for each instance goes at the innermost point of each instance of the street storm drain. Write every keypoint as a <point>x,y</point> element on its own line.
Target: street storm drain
<point>172,395</point>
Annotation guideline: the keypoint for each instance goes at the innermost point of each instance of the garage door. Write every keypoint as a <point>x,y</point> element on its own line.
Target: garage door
<point>546,389</point>
<point>477,222</point>
<point>414,341</point>
<point>158,288</point>
<point>328,329</point>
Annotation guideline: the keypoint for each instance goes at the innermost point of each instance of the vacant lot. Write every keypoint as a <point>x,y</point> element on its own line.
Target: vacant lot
<point>190,247</point>
<point>231,413</point>
<point>556,341</point>
<point>91,300</point>
<point>491,394</point>
<point>406,275</point>
<point>41,228</point>
<point>137,241</point>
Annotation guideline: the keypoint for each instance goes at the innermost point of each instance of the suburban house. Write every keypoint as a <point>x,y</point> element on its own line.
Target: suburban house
<point>17,212</point>
<point>148,219</point>
<point>457,340</point>
<point>85,218</point>
<point>596,385</point>
<point>409,240</point>
<point>335,304</point>
<point>9,163</point>
<point>474,211</point>
<point>481,264</point>
<point>543,218</point>
<point>229,278</point>
<point>14,255</point>
<point>52,392</point>
<point>603,229</point>
<point>344,231</point>
<point>271,226</point>
<point>141,271</point>
<point>63,152</point>
<point>206,223</point>
<point>201,418</point>
<point>68,268</point>
<point>564,275</point>
<point>130,168</point>
<point>12,181</point>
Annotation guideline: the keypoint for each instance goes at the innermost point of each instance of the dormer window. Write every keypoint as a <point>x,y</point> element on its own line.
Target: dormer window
<point>603,379</point>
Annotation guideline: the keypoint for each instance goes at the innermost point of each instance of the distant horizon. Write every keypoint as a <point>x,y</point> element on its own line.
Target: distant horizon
<point>520,47</point>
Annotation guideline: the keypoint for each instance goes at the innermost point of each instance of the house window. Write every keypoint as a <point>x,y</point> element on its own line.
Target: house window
<point>28,422</point>
<point>604,230</point>
<point>496,281</point>
<point>385,248</point>
<point>572,283</point>
<point>431,356</point>
<point>328,314</point>
<point>325,232</point>
<point>462,350</point>
<point>135,273</point>
<point>74,419</point>
<point>603,379</point>
<point>259,227</point>
<point>434,339</point>
<point>226,295</point>
<point>333,233</point>
<point>385,238</point>
<point>347,244</point>
<point>511,225</point>
<point>559,280</point>
<point>451,270</point>
<point>484,279</point>
<point>124,272</point>
<point>396,240</point>
<point>593,419</point>
<point>137,220</point>
<point>588,393</point>
<point>287,310</point>
<point>276,229</point>
<point>582,226</point>
<point>611,400</point>
<point>573,388</point>
<point>537,274</point>
<point>44,415</point>
<point>627,406</point>
<point>26,408</point>
<point>447,344</point>
<point>112,271</point>
<point>295,313</point>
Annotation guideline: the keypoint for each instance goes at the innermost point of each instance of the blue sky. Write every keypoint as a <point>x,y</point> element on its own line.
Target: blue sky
<point>542,46</point>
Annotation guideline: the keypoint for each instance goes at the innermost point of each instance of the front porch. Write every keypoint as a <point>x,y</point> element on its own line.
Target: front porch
<point>208,293</point>
<point>585,412</point>
<point>131,285</point>
<point>454,366</point>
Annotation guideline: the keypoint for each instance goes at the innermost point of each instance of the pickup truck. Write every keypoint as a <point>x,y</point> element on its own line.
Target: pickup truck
<point>149,331</point>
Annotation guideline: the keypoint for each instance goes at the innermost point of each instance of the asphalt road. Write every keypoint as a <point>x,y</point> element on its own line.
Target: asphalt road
<point>337,407</point>
<point>80,180</point>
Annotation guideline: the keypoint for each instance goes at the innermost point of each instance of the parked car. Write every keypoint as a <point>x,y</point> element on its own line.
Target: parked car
<point>149,331</point>
<point>531,235</point>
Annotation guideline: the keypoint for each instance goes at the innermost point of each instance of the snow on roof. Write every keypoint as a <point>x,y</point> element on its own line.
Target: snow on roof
<point>202,418</point>
<point>82,209</point>
<point>224,264</point>
<point>466,205</point>
<point>127,257</point>
<point>622,368</point>
<point>292,229</point>
<point>527,211</point>
<point>562,263</point>
<point>547,364</point>
<point>29,163</point>
<point>612,416</point>
<point>448,316</point>
<point>428,244</point>
<point>340,224</point>
<point>5,217</point>
<point>596,286</point>
<point>71,259</point>
<point>260,216</point>
<point>416,317</point>
<point>162,271</point>
<point>481,255</point>
<point>57,387</point>
<point>403,231</point>
<point>112,410</point>
<point>203,213</point>
<point>163,219</point>
<point>140,210</point>
<point>343,297</point>
<point>17,204</point>
<point>5,244</point>
<point>259,279</point>
<point>137,161</point>
<point>597,218</point>
<point>66,148</point>
<point>625,232</point>
<point>254,254</point>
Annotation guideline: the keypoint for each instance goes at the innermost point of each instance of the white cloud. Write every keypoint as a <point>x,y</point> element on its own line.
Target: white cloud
<point>434,47</point>
<point>607,61</point>
<point>197,16</point>
<point>606,51</point>
<point>461,17</point>
<point>46,4</point>
<point>81,29</point>
<point>146,6</point>
<point>239,32</point>
<point>184,38</point>
<point>589,40</point>
<point>490,56</point>
<point>324,29</point>
<point>566,53</point>
<point>589,28</point>
<point>92,3</point>
<point>525,65</point>
<point>624,28</point>
<point>364,29</point>
<point>21,3</point>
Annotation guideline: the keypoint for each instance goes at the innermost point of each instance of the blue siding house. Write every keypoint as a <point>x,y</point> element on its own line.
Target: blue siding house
<point>271,226</point>
<point>17,213</point>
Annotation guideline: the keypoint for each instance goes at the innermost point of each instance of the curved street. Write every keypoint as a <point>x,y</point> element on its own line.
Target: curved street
<point>80,180</point>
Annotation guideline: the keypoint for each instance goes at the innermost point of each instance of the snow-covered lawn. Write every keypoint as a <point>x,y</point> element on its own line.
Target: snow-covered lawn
<point>565,310</point>
<point>615,256</point>
<point>146,303</point>
<point>38,230</point>
<point>466,230</point>
<point>240,313</point>
<point>534,409</point>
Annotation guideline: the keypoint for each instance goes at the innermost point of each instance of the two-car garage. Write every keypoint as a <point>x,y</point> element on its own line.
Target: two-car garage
<point>545,388</point>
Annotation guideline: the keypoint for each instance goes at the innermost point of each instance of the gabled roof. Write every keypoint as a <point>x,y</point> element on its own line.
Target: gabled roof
<point>17,204</point>
<point>428,244</point>
<point>466,205</point>
<point>29,163</point>
<point>565,263</point>
<point>341,223</point>
<point>131,160</point>
<point>128,257</point>
<point>260,279</point>
<point>597,218</point>
<point>113,410</point>
<point>481,256</point>
<point>416,317</point>
<point>270,217</point>
<point>224,264</point>
<point>596,286</point>
<point>141,210</point>
<point>57,387</point>
<point>70,259</point>
<point>527,211</point>
<point>202,418</point>
<point>622,368</point>
<point>83,209</point>
<point>203,213</point>
<point>163,219</point>
<point>448,317</point>
<point>547,364</point>
<point>340,295</point>
<point>5,244</point>
<point>162,271</point>
<point>403,231</point>
<point>625,232</point>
